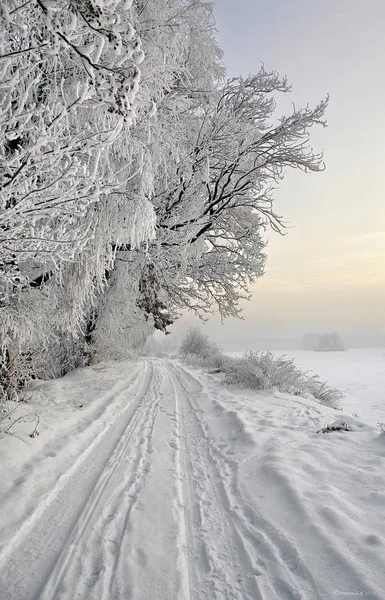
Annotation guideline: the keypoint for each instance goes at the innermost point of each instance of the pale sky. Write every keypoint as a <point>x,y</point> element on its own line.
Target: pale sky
<point>328,271</point>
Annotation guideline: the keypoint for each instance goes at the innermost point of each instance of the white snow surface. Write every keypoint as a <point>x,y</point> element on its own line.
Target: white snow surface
<point>359,373</point>
<point>150,481</point>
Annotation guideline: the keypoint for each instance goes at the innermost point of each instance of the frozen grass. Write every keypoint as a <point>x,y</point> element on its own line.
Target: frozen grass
<point>261,371</point>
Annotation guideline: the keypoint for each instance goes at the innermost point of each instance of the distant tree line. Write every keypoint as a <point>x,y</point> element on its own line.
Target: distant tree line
<point>325,342</point>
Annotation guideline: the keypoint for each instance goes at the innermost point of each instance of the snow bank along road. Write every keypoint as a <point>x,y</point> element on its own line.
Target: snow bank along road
<point>166,486</point>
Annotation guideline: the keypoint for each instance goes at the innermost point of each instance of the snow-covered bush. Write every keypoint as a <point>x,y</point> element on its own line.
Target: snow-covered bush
<point>121,329</point>
<point>198,344</point>
<point>256,370</point>
<point>218,362</point>
<point>322,392</point>
<point>15,371</point>
<point>263,370</point>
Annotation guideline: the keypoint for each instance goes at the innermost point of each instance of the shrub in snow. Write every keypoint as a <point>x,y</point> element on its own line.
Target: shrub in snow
<point>341,427</point>
<point>218,362</point>
<point>198,344</point>
<point>14,373</point>
<point>8,420</point>
<point>322,392</point>
<point>194,361</point>
<point>256,370</point>
<point>262,371</point>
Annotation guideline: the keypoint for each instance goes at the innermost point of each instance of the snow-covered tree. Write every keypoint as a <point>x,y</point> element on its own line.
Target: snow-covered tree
<point>197,343</point>
<point>69,77</point>
<point>180,37</point>
<point>135,181</point>
<point>78,169</point>
<point>215,201</point>
<point>325,342</point>
<point>329,342</point>
<point>69,81</point>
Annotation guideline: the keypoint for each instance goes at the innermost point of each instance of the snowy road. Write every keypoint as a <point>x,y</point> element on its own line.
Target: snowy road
<point>180,497</point>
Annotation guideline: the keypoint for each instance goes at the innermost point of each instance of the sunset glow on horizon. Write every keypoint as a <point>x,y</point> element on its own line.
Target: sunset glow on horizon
<point>329,267</point>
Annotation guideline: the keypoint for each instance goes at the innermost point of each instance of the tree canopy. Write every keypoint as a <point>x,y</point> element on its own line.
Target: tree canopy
<point>136,181</point>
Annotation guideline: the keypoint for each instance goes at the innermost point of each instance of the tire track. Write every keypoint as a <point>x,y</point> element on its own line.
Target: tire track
<point>223,568</point>
<point>286,569</point>
<point>254,539</point>
<point>66,512</point>
<point>102,523</point>
<point>25,530</point>
<point>180,502</point>
<point>138,470</point>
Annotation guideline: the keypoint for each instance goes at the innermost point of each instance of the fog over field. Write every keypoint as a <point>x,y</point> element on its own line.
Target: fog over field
<point>261,331</point>
<point>253,333</point>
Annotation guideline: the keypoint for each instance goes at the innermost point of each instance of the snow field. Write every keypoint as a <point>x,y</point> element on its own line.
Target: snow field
<point>310,507</point>
<point>166,485</point>
<point>358,373</point>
